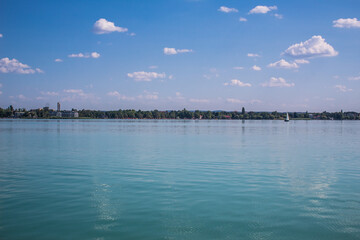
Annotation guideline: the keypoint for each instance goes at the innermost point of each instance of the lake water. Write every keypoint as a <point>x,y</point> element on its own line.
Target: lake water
<point>147,179</point>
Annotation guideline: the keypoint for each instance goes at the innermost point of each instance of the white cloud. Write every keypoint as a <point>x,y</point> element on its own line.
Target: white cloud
<point>301,61</point>
<point>256,68</point>
<point>82,55</point>
<point>120,96</point>
<point>95,55</point>
<point>195,100</point>
<point>314,47</point>
<point>262,9</point>
<point>238,68</point>
<point>0,92</point>
<point>354,78</point>
<point>149,95</point>
<point>235,82</point>
<point>50,93</point>
<point>1,35</point>
<point>242,19</point>
<point>329,99</point>
<point>346,23</point>
<point>14,66</point>
<point>283,64</point>
<point>102,26</point>
<point>227,10</point>
<point>277,82</point>
<point>145,76</point>
<point>234,100</point>
<point>21,97</point>
<point>278,16</point>
<point>153,67</point>
<point>74,91</point>
<point>253,55</point>
<point>58,60</point>
<point>254,101</point>
<point>132,34</point>
<point>343,88</point>
<point>173,51</point>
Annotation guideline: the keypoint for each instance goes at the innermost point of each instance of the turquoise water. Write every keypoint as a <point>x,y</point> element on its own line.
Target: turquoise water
<point>144,179</point>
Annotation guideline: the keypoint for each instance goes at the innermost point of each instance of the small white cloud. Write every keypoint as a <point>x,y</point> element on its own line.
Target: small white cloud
<point>132,34</point>
<point>356,78</point>
<point>242,19</point>
<point>153,67</point>
<point>283,64</point>
<point>234,100</point>
<point>343,88</point>
<point>346,23</point>
<point>329,99</point>
<point>21,97</point>
<point>195,100</point>
<point>256,68</point>
<point>277,82</point>
<point>253,55</point>
<point>1,35</point>
<point>14,66</point>
<point>74,91</point>
<point>58,60</point>
<point>120,96</point>
<point>95,55</point>
<point>301,61</point>
<point>39,70</point>
<point>238,68</point>
<point>0,85</point>
<point>278,16</point>
<point>149,95</point>
<point>254,101</point>
<point>102,26</point>
<point>314,47</point>
<point>145,76</point>
<point>227,10</point>
<point>262,9</point>
<point>235,82</point>
<point>173,51</point>
<point>50,93</point>
<point>82,55</point>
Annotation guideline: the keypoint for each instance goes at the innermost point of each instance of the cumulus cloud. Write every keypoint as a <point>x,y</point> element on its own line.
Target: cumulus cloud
<point>356,78</point>
<point>48,93</point>
<point>238,68</point>
<point>346,23</point>
<point>234,100</point>
<point>82,55</point>
<point>196,100</point>
<point>253,55</point>
<point>120,96</point>
<point>173,51</point>
<point>314,47</point>
<point>277,82</point>
<point>14,66</point>
<point>262,9</point>
<point>227,10</point>
<point>58,60</point>
<point>301,61</point>
<point>256,68</point>
<point>235,82</point>
<point>145,76</point>
<point>283,64</point>
<point>242,19</point>
<point>103,26</point>
<point>342,88</point>
<point>278,16</point>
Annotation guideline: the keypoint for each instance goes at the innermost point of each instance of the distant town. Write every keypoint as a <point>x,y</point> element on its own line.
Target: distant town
<point>48,113</point>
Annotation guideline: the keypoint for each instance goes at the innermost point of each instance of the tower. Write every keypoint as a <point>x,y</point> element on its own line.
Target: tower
<point>58,107</point>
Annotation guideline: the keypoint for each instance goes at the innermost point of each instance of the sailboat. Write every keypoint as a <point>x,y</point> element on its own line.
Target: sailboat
<point>287,117</point>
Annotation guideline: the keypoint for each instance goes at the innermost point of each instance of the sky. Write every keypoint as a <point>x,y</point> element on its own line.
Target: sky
<point>174,54</point>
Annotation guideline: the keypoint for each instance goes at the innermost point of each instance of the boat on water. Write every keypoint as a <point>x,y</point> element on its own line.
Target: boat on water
<point>287,117</point>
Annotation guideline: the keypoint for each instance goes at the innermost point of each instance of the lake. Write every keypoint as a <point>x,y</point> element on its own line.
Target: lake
<point>175,179</point>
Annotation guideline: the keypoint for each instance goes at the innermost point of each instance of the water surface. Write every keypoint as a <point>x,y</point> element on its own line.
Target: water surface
<point>147,179</point>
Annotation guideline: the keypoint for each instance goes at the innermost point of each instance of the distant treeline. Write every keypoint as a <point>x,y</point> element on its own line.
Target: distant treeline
<point>10,112</point>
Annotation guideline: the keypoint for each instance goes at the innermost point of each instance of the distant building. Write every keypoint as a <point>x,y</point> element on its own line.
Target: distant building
<point>58,107</point>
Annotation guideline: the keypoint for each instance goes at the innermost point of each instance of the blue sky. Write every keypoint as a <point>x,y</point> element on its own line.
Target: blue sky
<point>175,54</point>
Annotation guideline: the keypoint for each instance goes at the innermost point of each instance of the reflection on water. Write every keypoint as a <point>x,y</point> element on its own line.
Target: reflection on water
<point>163,179</point>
